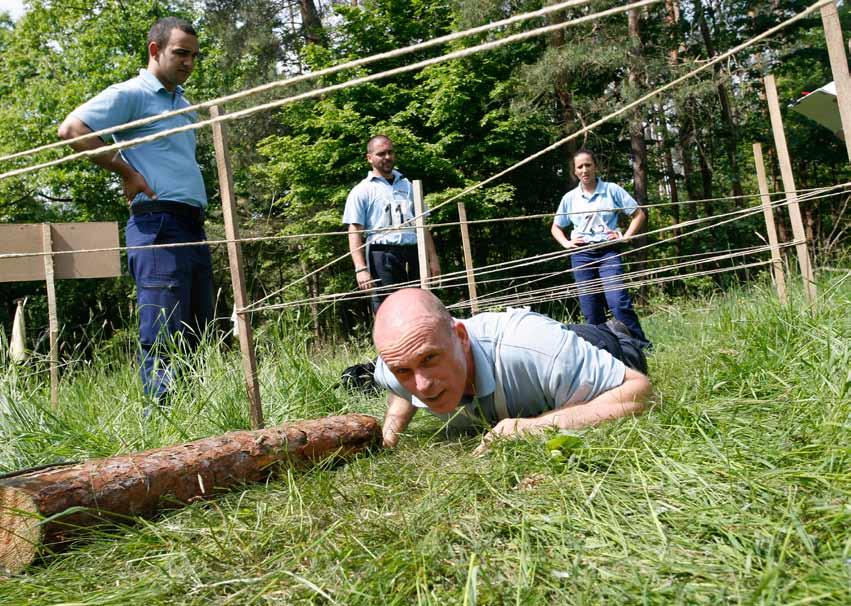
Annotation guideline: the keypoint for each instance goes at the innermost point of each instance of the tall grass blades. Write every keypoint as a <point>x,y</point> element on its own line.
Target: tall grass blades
<point>734,489</point>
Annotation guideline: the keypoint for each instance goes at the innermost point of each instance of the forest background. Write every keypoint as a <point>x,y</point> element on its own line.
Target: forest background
<point>454,124</point>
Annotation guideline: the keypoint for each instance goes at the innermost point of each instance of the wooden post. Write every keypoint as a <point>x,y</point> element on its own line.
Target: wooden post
<point>468,258</point>
<point>768,212</point>
<point>52,316</point>
<point>839,66</point>
<point>246,338</point>
<point>419,207</point>
<point>789,186</point>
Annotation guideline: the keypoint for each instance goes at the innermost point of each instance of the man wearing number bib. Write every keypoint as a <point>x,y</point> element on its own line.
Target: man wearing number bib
<point>381,208</point>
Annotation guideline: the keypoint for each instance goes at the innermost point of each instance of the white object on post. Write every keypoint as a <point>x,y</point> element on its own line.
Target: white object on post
<point>18,346</point>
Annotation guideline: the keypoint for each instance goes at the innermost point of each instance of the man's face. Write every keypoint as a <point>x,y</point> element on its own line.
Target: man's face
<point>173,64</point>
<point>382,158</point>
<point>429,360</point>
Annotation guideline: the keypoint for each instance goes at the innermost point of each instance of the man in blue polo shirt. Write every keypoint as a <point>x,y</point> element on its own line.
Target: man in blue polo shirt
<point>162,183</point>
<point>516,371</point>
<point>382,201</point>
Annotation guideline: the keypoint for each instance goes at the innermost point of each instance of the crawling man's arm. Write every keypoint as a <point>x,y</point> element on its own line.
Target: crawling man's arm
<point>399,414</point>
<point>628,399</point>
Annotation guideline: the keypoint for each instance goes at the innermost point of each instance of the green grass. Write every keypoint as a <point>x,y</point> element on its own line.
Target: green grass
<point>734,489</point>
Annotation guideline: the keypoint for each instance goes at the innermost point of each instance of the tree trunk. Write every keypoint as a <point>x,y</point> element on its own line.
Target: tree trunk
<point>31,502</point>
<point>729,133</point>
<point>311,24</point>
<point>664,144</point>
<point>313,294</point>
<point>638,142</point>
<point>703,161</point>
<point>564,99</point>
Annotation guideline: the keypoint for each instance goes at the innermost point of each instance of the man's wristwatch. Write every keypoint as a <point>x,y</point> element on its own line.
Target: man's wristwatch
<point>360,269</point>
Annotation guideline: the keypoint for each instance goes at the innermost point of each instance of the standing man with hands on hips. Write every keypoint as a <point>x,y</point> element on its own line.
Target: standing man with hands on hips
<point>163,185</point>
<point>376,206</point>
<point>593,208</point>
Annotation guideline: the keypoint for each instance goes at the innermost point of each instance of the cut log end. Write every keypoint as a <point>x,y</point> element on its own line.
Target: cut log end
<point>20,530</point>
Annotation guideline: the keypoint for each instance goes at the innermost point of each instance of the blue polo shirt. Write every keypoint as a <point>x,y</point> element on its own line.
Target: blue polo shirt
<point>593,215</point>
<point>537,363</point>
<point>376,204</point>
<point>168,164</point>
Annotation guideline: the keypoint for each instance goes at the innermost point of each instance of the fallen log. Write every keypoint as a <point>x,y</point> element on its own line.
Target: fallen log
<point>96,491</point>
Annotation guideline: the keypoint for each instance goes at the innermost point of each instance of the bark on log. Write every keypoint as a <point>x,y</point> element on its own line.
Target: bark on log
<point>32,503</point>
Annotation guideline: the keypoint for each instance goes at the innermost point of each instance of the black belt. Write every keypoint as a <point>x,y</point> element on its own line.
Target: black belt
<point>391,247</point>
<point>178,209</point>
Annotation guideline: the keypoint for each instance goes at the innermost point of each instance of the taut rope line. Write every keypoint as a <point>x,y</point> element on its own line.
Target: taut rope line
<point>332,88</point>
<point>398,52</point>
<point>584,130</point>
<point>596,285</point>
<point>736,215</point>
<point>746,212</point>
<point>811,193</point>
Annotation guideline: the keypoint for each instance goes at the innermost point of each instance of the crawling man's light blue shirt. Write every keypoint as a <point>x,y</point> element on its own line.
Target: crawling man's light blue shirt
<point>168,164</point>
<point>594,215</point>
<point>377,204</point>
<point>539,364</point>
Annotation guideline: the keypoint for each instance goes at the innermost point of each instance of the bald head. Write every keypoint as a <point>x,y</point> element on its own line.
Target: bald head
<point>405,309</point>
<point>427,351</point>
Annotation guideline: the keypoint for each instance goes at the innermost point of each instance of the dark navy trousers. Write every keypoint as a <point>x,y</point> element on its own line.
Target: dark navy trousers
<point>174,291</point>
<point>604,264</point>
<point>392,264</point>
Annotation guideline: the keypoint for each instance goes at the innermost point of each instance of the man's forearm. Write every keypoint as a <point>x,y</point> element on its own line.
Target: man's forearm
<point>626,400</point>
<point>356,247</point>
<point>111,161</point>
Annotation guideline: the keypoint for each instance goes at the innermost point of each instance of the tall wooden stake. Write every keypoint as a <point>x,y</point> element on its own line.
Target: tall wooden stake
<point>768,213</point>
<point>468,258</point>
<point>419,206</point>
<point>53,317</point>
<point>246,338</point>
<point>789,186</point>
<point>839,66</point>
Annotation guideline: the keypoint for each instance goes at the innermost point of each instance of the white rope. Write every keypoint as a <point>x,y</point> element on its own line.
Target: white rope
<point>639,283</point>
<point>305,77</point>
<point>458,281</point>
<point>643,99</point>
<point>446,280</point>
<point>621,281</point>
<point>354,295</point>
<point>735,216</point>
<point>586,129</point>
<point>321,91</point>
<point>747,212</point>
<point>587,287</point>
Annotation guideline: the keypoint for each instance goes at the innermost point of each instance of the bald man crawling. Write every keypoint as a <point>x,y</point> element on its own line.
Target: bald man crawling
<point>514,371</point>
